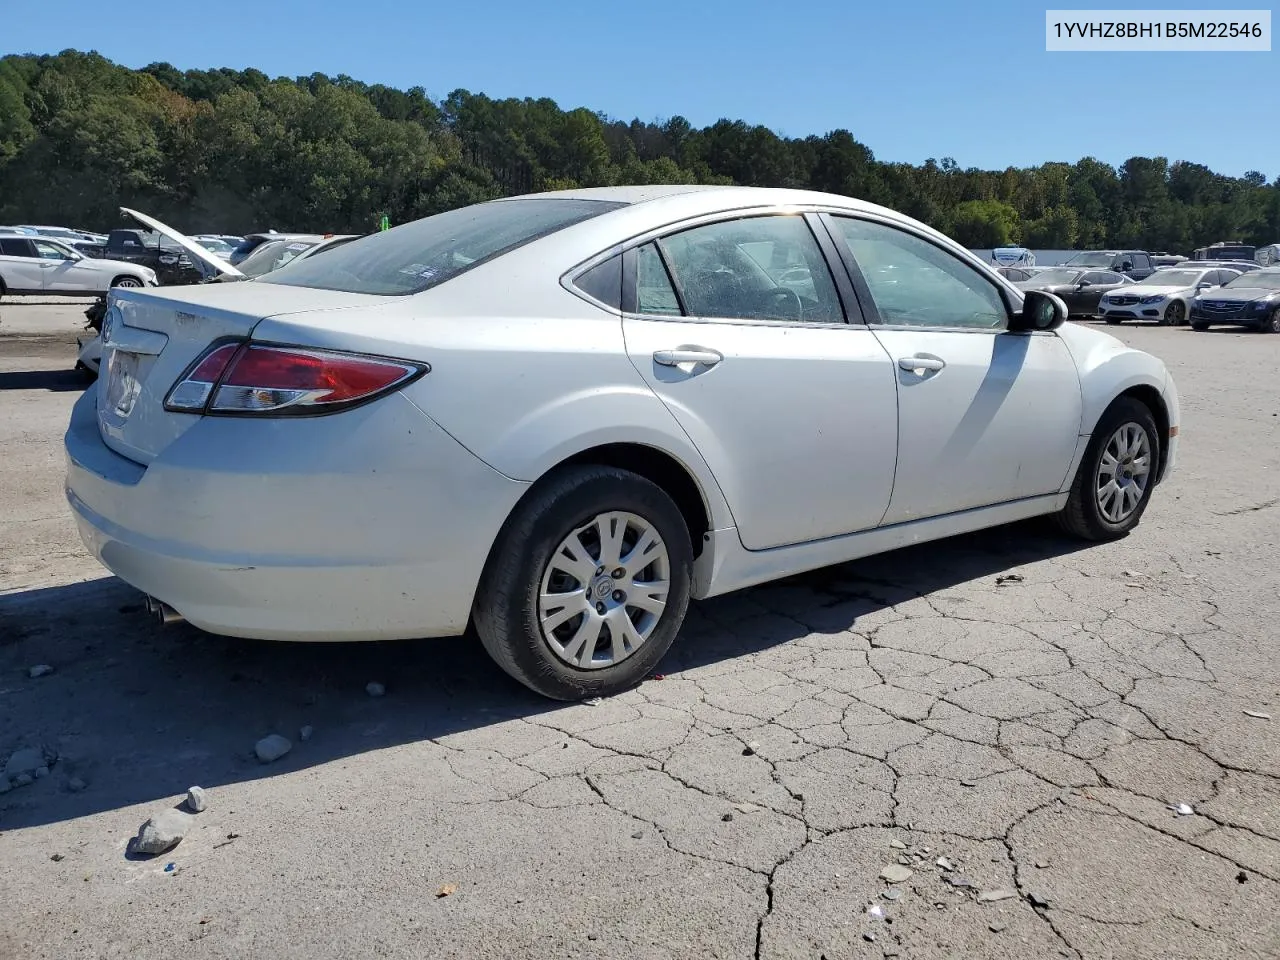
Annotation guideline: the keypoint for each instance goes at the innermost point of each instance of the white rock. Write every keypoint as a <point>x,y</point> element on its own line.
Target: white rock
<point>39,670</point>
<point>895,873</point>
<point>195,799</point>
<point>25,760</point>
<point>375,689</point>
<point>75,785</point>
<point>994,896</point>
<point>305,733</point>
<point>272,747</point>
<point>162,832</point>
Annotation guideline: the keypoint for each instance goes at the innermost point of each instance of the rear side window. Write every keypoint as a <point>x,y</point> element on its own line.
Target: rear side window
<point>655,293</point>
<point>419,255</point>
<point>603,282</point>
<point>15,247</point>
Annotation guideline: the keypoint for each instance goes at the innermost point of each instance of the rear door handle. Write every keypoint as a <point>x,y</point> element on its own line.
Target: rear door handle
<point>695,355</point>
<point>921,363</point>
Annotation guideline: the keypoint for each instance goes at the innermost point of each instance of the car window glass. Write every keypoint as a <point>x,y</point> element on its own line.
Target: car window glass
<point>755,268</point>
<point>654,292</point>
<point>16,248</point>
<point>1141,261</point>
<point>604,282</point>
<point>48,251</point>
<point>1099,278</point>
<point>915,283</point>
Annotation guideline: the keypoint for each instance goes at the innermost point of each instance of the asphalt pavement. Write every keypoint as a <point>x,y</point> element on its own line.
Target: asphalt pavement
<point>1005,745</point>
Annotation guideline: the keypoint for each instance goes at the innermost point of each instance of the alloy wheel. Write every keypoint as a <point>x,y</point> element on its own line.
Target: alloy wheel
<point>1124,472</point>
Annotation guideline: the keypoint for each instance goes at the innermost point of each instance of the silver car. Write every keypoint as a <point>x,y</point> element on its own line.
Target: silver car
<point>559,418</point>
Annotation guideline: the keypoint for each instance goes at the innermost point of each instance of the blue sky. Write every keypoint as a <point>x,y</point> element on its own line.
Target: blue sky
<point>911,79</point>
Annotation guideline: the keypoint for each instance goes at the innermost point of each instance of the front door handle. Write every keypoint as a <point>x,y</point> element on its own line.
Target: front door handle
<point>694,355</point>
<point>921,363</point>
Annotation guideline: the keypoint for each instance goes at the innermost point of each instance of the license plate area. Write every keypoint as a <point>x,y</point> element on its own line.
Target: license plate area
<point>123,383</point>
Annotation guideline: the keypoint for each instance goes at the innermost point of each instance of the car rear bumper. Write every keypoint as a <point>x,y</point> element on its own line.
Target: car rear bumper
<point>369,524</point>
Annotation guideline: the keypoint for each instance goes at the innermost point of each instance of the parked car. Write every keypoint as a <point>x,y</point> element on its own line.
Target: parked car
<point>1163,297</point>
<point>1225,250</point>
<point>170,262</point>
<point>65,234</point>
<point>1159,260</point>
<point>1240,266</point>
<point>560,417</point>
<point>1135,264</point>
<point>252,241</point>
<point>1250,300</point>
<point>274,254</point>
<point>1081,290</point>
<point>216,246</point>
<point>1018,274</point>
<point>37,265</point>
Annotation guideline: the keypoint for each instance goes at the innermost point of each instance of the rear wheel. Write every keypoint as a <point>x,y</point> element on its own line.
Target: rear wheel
<point>126,282</point>
<point>1198,325</point>
<point>587,584</point>
<point>1114,482</point>
<point>1175,315</point>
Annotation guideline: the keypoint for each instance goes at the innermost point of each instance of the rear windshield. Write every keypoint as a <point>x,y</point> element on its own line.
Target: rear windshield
<point>419,255</point>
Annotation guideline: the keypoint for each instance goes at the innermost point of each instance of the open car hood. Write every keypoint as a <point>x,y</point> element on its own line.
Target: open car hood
<point>217,264</point>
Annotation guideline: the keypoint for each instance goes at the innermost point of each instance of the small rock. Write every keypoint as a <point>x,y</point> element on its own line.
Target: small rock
<point>895,873</point>
<point>447,890</point>
<point>945,864</point>
<point>892,894</point>
<point>57,858</point>
<point>24,761</point>
<point>374,689</point>
<point>1038,901</point>
<point>875,910</point>
<point>638,835</point>
<point>963,883</point>
<point>593,936</point>
<point>1182,809</point>
<point>1009,578</point>
<point>727,817</point>
<point>907,861</point>
<point>869,937</point>
<point>305,733</point>
<point>997,927</point>
<point>272,747</point>
<point>39,670</point>
<point>968,783</point>
<point>162,832</point>
<point>748,751</point>
<point>897,844</point>
<point>1242,877</point>
<point>23,780</point>
<point>75,785</point>
<point>994,896</point>
<point>1257,715</point>
<point>195,799</point>
<point>41,772</point>
<point>1042,864</point>
<point>892,951</point>
<point>747,807</point>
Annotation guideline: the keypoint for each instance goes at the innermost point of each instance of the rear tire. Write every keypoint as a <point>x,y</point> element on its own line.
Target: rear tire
<point>532,563</point>
<point>1104,503</point>
<point>1197,325</point>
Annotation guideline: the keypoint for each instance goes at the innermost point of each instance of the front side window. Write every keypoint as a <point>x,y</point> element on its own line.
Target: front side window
<point>419,255</point>
<point>915,283</point>
<point>51,251</point>
<point>755,268</point>
<point>654,291</point>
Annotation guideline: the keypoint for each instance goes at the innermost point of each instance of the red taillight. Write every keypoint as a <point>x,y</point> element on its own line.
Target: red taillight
<point>263,379</point>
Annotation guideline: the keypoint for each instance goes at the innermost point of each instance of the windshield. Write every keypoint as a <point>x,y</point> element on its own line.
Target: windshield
<point>1173,278</point>
<point>1055,276</point>
<point>273,255</point>
<point>1259,279</point>
<point>1092,259</point>
<point>417,256</point>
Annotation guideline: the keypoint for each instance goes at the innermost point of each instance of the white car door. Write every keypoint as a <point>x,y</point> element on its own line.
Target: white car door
<point>985,416</point>
<point>64,269</point>
<point>737,326</point>
<point>20,266</point>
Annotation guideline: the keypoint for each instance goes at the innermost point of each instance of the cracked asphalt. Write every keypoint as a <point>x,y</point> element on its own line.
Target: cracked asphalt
<point>1016,744</point>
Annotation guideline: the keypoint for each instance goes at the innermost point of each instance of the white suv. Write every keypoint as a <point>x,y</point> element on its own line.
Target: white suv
<point>34,265</point>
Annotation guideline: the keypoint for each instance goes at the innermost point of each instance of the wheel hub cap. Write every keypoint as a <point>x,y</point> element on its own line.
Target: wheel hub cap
<point>1124,472</point>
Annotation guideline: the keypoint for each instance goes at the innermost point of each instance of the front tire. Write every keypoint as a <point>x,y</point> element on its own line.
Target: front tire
<point>1197,325</point>
<point>1175,315</point>
<point>1113,484</point>
<point>127,282</point>
<point>587,584</point>
<point>1272,323</point>
<point>1112,320</point>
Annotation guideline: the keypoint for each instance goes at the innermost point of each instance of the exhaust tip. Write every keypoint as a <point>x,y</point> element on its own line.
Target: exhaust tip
<point>163,613</point>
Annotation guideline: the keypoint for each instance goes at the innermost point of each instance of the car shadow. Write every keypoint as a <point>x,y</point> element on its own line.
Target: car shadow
<point>138,712</point>
<point>57,381</point>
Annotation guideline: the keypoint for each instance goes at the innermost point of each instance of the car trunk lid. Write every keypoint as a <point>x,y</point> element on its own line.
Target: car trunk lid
<point>151,337</point>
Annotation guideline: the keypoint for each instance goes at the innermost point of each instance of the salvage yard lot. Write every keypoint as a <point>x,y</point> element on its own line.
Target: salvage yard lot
<point>1007,716</point>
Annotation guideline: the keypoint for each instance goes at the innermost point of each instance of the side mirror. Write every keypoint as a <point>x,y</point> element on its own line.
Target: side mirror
<point>1040,311</point>
<point>1084,283</point>
<point>1203,285</point>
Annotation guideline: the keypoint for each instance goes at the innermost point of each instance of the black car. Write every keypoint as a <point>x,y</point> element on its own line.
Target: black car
<point>1250,300</point>
<point>1081,290</point>
<point>1132,263</point>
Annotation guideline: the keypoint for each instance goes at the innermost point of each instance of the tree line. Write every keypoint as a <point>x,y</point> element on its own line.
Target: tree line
<point>229,150</point>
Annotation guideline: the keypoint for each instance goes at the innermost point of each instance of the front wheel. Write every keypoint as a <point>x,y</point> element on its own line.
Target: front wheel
<point>1114,482</point>
<point>1112,320</point>
<point>1175,315</point>
<point>1197,325</point>
<point>587,584</point>
<point>1272,323</point>
<point>128,282</point>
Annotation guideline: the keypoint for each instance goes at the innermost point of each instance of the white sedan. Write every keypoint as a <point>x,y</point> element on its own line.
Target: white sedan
<point>1163,297</point>
<point>558,418</point>
<point>40,265</point>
